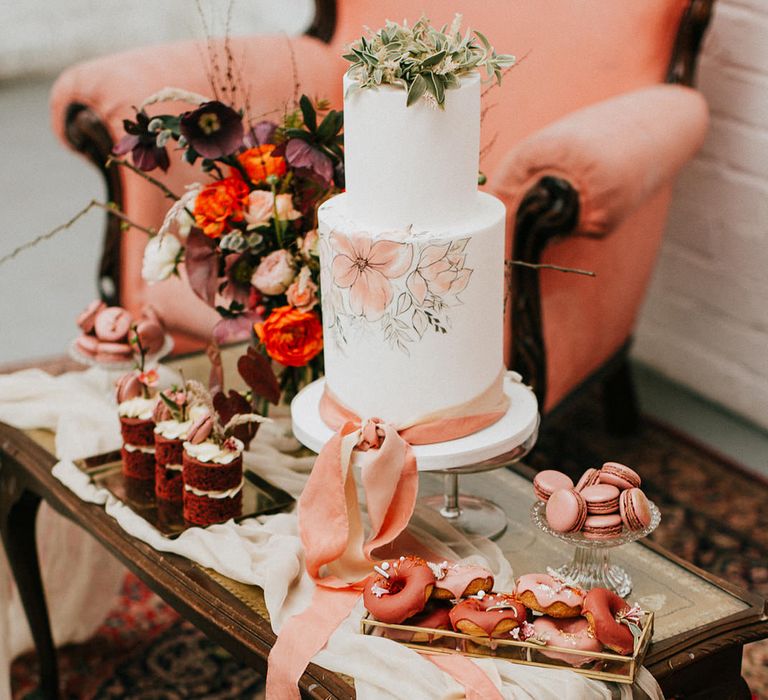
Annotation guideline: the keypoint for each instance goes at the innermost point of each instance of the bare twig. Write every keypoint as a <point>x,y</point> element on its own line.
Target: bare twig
<point>294,72</point>
<point>545,266</point>
<point>167,192</point>
<point>93,204</point>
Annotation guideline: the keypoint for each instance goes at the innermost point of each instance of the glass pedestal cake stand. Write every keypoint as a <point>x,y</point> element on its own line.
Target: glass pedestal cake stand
<point>112,371</point>
<point>591,565</point>
<point>475,515</point>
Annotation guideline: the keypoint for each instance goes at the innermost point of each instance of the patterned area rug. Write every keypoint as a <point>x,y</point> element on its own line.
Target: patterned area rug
<point>714,515</point>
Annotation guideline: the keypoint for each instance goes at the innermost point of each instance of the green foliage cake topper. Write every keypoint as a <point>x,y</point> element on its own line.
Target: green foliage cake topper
<point>423,60</point>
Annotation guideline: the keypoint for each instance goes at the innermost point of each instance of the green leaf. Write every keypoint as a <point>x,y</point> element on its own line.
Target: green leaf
<point>329,127</point>
<point>308,112</point>
<point>484,39</point>
<point>416,90</point>
<point>433,60</point>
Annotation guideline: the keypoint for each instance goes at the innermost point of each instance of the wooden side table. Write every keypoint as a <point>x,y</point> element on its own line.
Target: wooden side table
<point>702,622</point>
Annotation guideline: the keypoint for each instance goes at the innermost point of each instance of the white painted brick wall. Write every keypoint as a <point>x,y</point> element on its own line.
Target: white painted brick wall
<point>705,321</point>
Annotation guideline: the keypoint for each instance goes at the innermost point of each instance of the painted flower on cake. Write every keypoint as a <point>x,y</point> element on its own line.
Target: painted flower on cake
<point>440,272</point>
<point>365,267</point>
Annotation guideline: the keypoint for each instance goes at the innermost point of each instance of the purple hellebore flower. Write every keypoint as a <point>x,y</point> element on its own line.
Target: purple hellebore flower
<point>214,130</point>
<point>260,134</point>
<point>309,161</point>
<point>142,145</point>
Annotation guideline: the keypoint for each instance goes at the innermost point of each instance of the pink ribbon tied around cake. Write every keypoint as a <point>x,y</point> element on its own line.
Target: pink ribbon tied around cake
<point>337,554</point>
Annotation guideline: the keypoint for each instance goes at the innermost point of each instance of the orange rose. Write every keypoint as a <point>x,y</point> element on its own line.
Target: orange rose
<point>259,163</point>
<point>290,336</point>
<point>219,203</point>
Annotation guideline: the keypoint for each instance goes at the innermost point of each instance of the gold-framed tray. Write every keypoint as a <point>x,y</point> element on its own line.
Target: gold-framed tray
<point>604,665</point>
<point>260,497</point>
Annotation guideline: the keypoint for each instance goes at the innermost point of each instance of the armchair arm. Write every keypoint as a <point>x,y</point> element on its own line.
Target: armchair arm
<point>615,154</point>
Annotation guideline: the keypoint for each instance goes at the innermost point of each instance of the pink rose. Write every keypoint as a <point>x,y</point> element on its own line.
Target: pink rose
<point>262,206</point>
<point>308,244</point>
<point>274,273</point>
<point>302,294</point>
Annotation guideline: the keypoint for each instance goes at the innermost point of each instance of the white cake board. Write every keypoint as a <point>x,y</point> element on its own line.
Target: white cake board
<point>509,432</point>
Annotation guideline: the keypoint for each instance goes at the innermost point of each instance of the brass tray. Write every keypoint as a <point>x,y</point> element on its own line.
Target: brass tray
<point>604,665</point>
<point>259,496</point>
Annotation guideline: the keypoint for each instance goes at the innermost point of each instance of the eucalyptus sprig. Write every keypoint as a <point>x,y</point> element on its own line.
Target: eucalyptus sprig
<point>423,60</point>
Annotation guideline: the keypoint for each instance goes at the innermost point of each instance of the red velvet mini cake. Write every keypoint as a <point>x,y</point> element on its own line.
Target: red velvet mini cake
<point>137,427</point>
<point>213,476</point>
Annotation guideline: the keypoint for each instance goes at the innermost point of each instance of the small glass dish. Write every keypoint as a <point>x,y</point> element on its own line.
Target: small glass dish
<point>591,566</point>
<point>604,665</point>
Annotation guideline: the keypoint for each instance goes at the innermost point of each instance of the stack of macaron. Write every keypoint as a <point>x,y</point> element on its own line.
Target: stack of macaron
<point>111,334</point>
<point>601,505</point>
<point>543,609</point>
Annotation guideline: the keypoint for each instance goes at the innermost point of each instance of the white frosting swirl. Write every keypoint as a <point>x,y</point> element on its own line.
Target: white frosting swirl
<point>229,493</point>
<point>173,429</point>
<point>138,407</point>
<point>174,467</point>
<point>209,451</point>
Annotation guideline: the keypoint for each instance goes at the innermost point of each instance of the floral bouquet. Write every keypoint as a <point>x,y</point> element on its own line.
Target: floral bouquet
<point>247,230</point>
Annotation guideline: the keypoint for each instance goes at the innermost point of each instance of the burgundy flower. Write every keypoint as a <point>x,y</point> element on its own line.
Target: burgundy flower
<point>214,130</point>
<point>309,161</point>
<point>142,145</point>
<point>260,134</point>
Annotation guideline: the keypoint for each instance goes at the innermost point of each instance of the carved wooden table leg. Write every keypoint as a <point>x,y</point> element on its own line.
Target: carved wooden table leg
<point>18,511</point>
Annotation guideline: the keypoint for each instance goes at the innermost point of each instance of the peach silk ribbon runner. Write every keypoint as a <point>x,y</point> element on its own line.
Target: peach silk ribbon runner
<point>337,556</point>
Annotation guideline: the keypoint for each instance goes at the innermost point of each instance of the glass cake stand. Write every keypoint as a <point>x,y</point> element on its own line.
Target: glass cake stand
<point>112,371</point>
<point>591,565</point>
<point>474,515</point>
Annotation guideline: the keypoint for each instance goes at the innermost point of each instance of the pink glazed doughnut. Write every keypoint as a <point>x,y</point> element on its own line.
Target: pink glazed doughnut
<point>456,581</point>
<point>571,633</point>
<point>548,595</point>
<point>547,482</point>
<point>402,592</point>
<point>601,607</point>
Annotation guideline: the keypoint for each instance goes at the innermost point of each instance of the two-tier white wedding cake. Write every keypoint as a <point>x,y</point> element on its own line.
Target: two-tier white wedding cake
<point>412,258</point>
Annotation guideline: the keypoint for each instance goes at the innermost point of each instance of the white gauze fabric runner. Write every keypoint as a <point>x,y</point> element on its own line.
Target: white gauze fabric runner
<point>263,551</point>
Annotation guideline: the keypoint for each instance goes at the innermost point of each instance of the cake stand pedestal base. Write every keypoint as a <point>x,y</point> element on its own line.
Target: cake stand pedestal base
<point>592,568</point>
<point>472,515</point>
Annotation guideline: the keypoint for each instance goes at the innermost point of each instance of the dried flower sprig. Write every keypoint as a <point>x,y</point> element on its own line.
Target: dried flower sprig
<point>424,60</point>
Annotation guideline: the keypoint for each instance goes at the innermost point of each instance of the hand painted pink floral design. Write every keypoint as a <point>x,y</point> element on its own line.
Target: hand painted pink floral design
<point>365,267</point>
<point>439,272</point>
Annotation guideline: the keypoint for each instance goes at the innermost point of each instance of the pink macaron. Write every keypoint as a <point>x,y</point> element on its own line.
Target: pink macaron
<point>550,480</point>
<point>635,510</point>
<point>619,475</point>
<point>566,511</point>
<point>200,430</point>
<point>114,352</point>
<point>112,324</point>
<point>601,499</point>
<point>128,387</point>
<point>602,527</point>
<point>87,344</point>
<point>87,316</point>
<point>588,478</point>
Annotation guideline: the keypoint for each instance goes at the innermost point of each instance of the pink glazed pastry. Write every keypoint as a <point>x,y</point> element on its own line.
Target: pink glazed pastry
<point>454,581</point>
<point>634,509</point>
<point>619,475</point>
<point>572,633</point>
<point>601,499</point>
<point>549,595</point>
<point>547,482</point>
<point>566,511</point>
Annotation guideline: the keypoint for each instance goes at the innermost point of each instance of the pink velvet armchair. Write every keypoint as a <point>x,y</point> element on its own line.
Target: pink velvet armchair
<point>582,142</point>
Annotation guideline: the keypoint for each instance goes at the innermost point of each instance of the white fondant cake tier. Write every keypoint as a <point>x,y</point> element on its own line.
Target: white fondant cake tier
<point>411,165</point>
<point>412,319</point>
